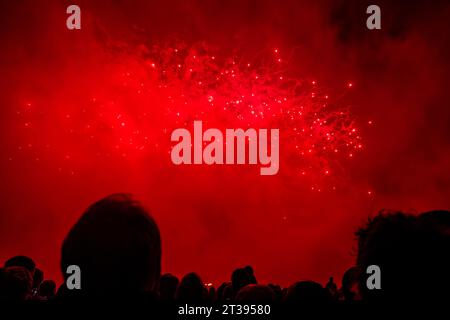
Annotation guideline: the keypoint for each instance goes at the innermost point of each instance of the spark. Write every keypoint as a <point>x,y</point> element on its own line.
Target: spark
<point>145,97</point>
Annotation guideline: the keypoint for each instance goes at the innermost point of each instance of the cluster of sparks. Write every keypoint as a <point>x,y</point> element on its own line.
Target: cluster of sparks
<point>151,93</point>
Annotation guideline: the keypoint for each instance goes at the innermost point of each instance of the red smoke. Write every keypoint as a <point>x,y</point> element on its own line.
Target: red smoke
<point>82,116</point>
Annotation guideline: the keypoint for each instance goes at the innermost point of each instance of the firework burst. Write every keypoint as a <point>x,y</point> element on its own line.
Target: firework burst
<point>149,93</point>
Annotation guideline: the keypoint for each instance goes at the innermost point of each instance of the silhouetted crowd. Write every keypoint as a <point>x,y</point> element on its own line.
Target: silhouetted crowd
<point>117,246</point>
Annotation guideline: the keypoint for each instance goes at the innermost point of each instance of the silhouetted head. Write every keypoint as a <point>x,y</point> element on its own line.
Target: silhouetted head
<point>191,289</point>
<point>242,277</point>
<point>47,289</point>
<point>251,274</point>
<point>411,252</point>
<point>117,246</point>
<point>331,287</point>
<point>212,294</point>
<point>15,284</point>
<point>168,284</point>
<point>228,293</point>
<point>255,293</point>
<point>307,293</point>
<point>38,278</point>
<point>221,294</point>
<point>22,261</point>
<point>277,290</point>
<point>350,284</point>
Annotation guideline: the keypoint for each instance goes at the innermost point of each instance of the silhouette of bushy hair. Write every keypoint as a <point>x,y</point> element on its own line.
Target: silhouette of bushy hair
<point>350,283</point>
<point>241,277</point>
<point>22,261</point>
<point>168,284</point>
<point>117,246</point>
<point>47,289</point>
<point>191,289</point>
<point>412,253</point>
<point>15,283</point>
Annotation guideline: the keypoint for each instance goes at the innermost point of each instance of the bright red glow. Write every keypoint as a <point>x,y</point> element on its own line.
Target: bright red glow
<point>177,85</point>
<point>363,119</point>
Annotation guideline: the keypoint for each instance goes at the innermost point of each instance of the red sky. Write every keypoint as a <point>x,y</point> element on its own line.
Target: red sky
<point>214,219</point>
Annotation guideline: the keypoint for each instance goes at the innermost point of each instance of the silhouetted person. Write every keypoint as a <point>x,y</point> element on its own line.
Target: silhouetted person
<point>15,284</point>
<point>37,280</point>
<point>212,297</point>
<point>412,253</point>
<point>242,277</point>
<point>350,284</point>
<point>228,293</point>
<point>331,287</point>
<point>117,246</point>
<point>47,289</point>
<point>22,261</point>
<point>168,285</point>
<point>306,293</point>
<point>191,289</point>
<point>277,291</point>
<point>255,293</point>
<point>251,274</point>
<point>223,290</point>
